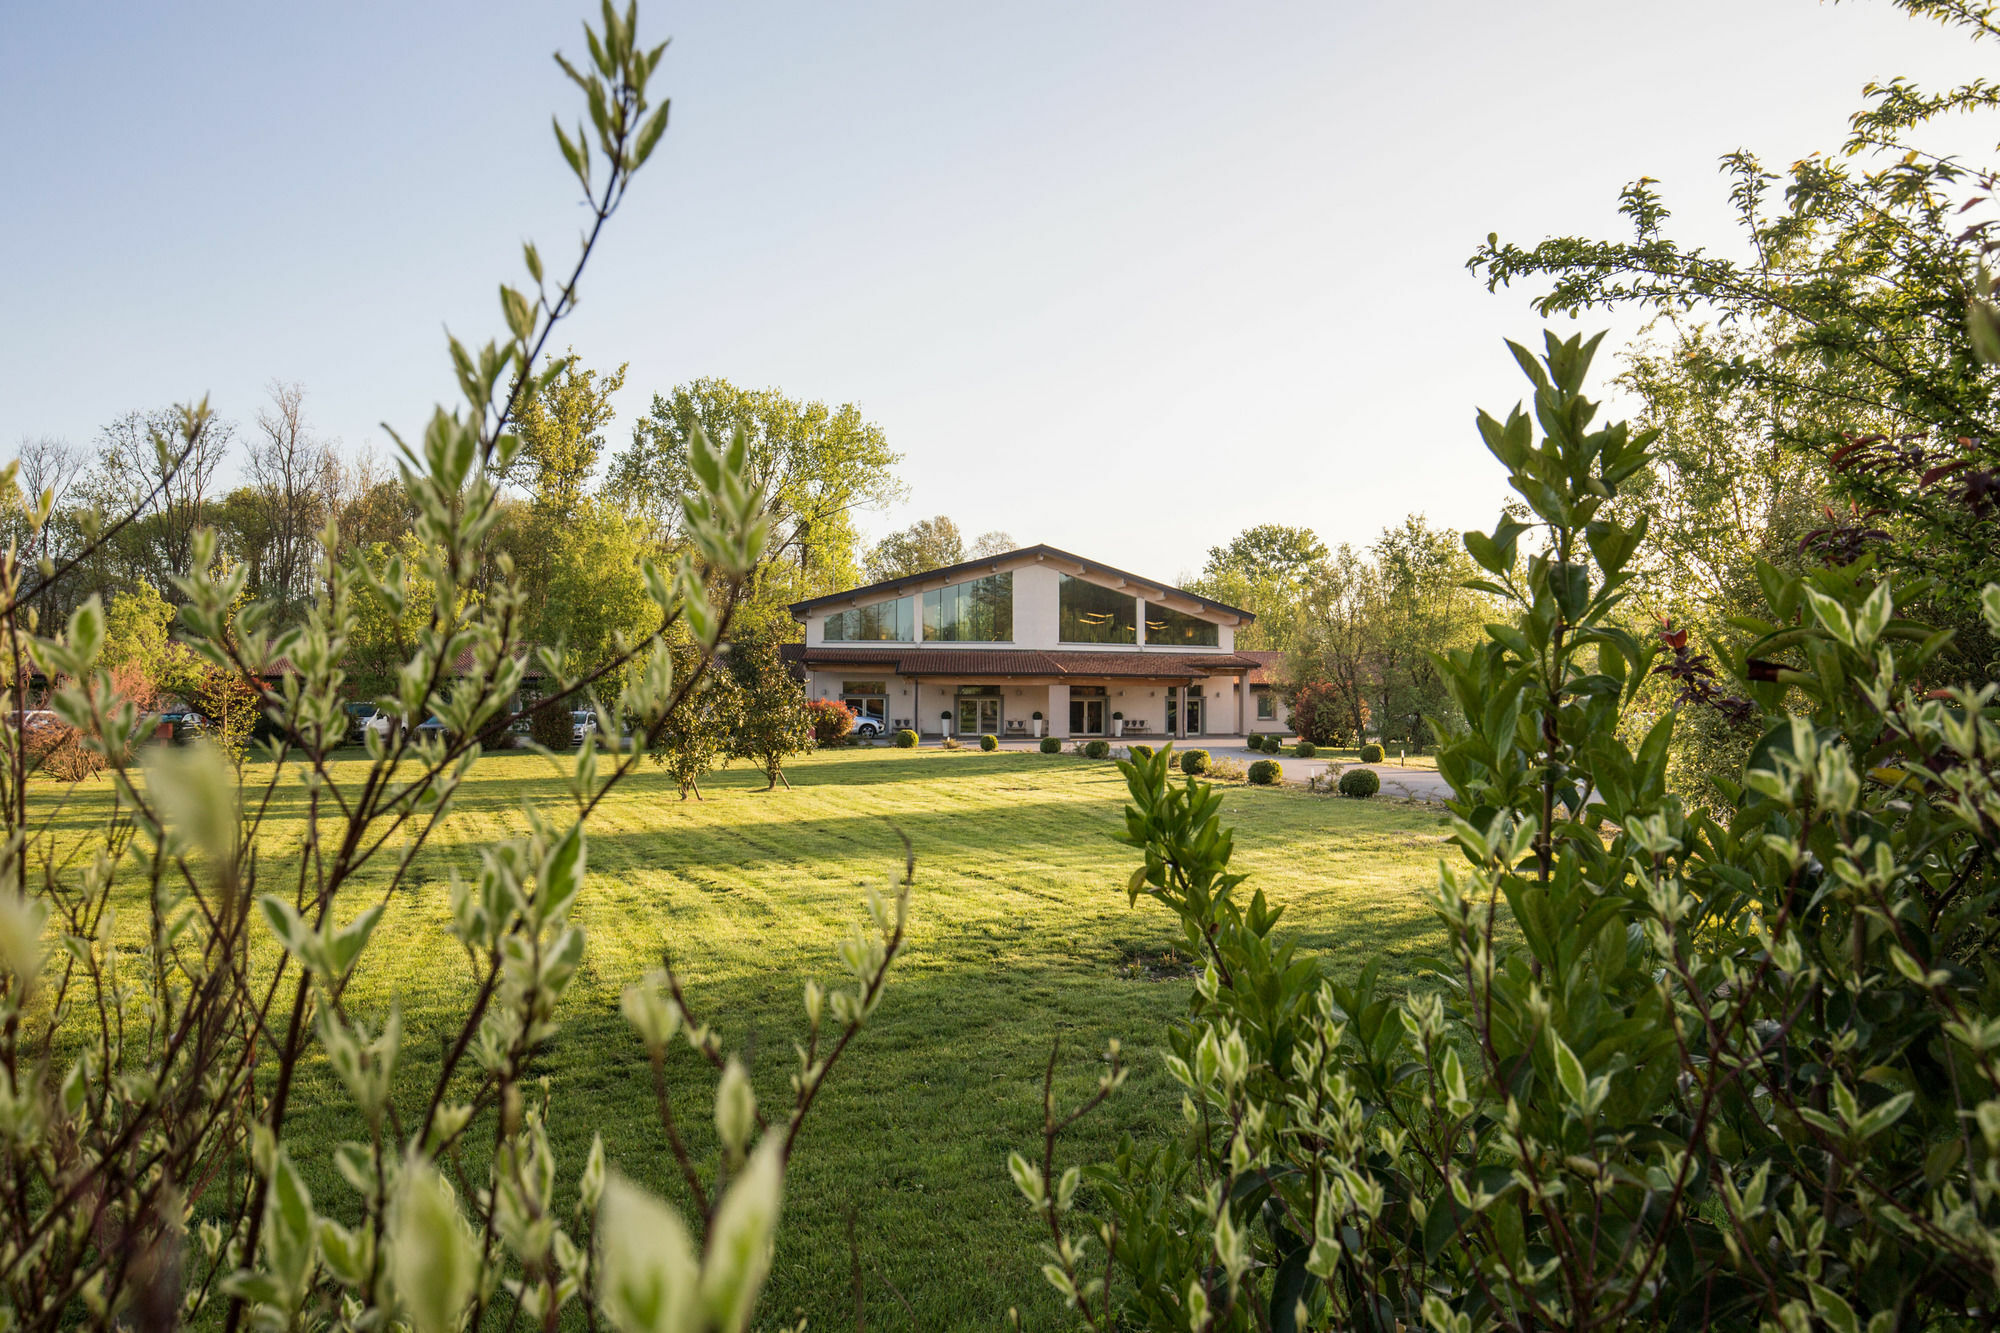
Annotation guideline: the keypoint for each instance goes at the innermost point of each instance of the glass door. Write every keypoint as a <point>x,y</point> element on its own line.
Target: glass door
<point>1086,717</point>
<point>978,716</point>
<point>1173,711</point>
<point>1193,711</point>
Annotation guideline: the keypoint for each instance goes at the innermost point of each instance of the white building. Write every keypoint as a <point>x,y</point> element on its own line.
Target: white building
<point>1031,642</point>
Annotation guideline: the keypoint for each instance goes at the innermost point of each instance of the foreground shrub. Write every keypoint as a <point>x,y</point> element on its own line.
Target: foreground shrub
<point>989,742</point>
<point>1359,782</point>
<point>1194,761</point>
<point>1305,750</point>
<point>1371,753</point>
<point>1680,1071</point>
<point>831,720</point>
<point>1141,751</point>
<point>1265,772</point>
<point>1097,749</point>
<point>1051,745</point>
<point>906,739</point>
<point>165,1086</point>
<point>1227,770</point>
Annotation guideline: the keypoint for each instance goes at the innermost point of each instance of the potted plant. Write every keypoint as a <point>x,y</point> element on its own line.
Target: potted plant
<point>1038,725</point>
<point>944,723</point>
<point>1118,724</point>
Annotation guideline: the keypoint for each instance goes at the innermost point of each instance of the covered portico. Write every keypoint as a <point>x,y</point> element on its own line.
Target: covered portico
<point>971,692</point>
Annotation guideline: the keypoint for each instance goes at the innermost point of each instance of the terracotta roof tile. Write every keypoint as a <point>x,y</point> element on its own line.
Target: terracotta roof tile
<point>1268,665</point>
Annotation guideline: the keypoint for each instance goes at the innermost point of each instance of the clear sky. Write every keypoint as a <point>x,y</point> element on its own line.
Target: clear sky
<point>1124,278</point>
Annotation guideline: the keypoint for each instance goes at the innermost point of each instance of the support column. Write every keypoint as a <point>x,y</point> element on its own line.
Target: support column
<point>1059,711</point>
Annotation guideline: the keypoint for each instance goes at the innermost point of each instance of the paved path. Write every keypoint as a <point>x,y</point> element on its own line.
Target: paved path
<point>1420,784</point>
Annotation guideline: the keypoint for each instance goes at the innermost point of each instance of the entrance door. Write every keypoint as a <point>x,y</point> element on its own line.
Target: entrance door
<point>1086,717</point>
<point>978,716</point>
<point>1193,710</point>
<point>1173,711</point>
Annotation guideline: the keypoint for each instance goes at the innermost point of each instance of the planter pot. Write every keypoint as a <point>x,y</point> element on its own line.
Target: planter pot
<point>1118,726</point>
<point>1037,725</point>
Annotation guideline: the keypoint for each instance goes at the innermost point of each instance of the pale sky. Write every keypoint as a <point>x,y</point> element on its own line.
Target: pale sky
<point>1123,278</point>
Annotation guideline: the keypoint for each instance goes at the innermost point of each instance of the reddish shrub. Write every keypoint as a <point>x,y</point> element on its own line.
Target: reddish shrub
<point>1325,714</point>
<point>831,719</point>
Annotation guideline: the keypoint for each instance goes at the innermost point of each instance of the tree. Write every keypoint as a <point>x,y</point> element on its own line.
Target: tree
<point>1326,713</point>
<point>135,629</point>
<point>562,436</point>
<point>1422,608</point>
<point>992,543</point>
<point>297,484</point>
<point>773,724</point>
<point>819,465</point>
<point>1264,570</point>
<point>698,731</point>
<point>1334,642</point>
<point>595,605</point>
<point>929,543</point>
<point>146,468</point>
<point>1843,330</point>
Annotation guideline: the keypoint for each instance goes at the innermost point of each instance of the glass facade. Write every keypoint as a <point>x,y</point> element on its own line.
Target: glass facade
<point>1174,630</point>
<point>884,622</point>
<point>981,611</point>
<point>1090,613</point>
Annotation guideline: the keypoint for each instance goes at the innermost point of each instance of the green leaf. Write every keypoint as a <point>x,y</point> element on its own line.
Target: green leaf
<point>739,1240</point>
<point>1569,1071</point>
<point>561,877</point>
<point>433,1257</point>
<point>1831,1307</point>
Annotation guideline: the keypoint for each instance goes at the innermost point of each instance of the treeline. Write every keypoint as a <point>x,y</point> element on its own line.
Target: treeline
<point>1358,627</point>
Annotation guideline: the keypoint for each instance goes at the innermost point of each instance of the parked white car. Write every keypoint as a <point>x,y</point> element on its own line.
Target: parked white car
<point>582,722</point>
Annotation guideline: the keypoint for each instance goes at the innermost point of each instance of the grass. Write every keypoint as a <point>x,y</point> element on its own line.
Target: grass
<point>1020,935</point>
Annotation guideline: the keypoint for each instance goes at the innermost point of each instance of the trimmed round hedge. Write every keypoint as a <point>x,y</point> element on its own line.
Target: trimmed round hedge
<point>1051,745</point>
<point>989,742</point>
<point>1371,754</point>
<point>1265,772</point>
<point>1359,782</point>
<point>1194,761</point>
<point>1098,750</point>
<point>906,739</point>
<point>1305,750</point>
<point>1141,752</point>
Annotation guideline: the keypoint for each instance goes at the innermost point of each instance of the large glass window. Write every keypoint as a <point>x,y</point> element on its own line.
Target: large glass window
<point>884,622</point>
<point>981,611</point>
<point>1173,629</point>
<point>1091,613</point>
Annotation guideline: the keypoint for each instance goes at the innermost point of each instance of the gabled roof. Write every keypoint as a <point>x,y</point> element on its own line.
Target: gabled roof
<point>990,563</point>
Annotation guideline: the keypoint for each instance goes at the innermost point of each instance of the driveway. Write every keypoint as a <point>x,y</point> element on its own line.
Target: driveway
<point>1417,784</point>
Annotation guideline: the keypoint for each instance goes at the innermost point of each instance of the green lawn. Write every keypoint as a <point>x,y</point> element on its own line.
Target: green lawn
<point>1019,934</point>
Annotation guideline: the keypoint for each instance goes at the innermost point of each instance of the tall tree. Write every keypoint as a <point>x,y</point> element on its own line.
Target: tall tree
<point>144,467</point>
<point>1420,609</point>
<point>1850,297</point>
<point>297,484</point>
<point>928,543</point>
<point>562,436</point>
<point>1264,570</point>
<point>820,465</point>
<point>1334,640</point>
<point>992,543</point>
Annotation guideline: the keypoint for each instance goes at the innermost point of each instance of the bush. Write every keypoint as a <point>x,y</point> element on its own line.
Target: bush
<point>1359,782</point>
<point>1756,1046</point>
<point>1371,753</point>
<point>1140,752</point>
<point>989,742</point>
<point>1265,772</point>
<point>1194,761</point>
<point>906,739</point>
<point>831,719</point>
<point>1328,714</point>
<point>951,743</point>
<point>1097,749</point>
<point>1226,770</point>
<point>1051,745</point>
<point>1305,750</point>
